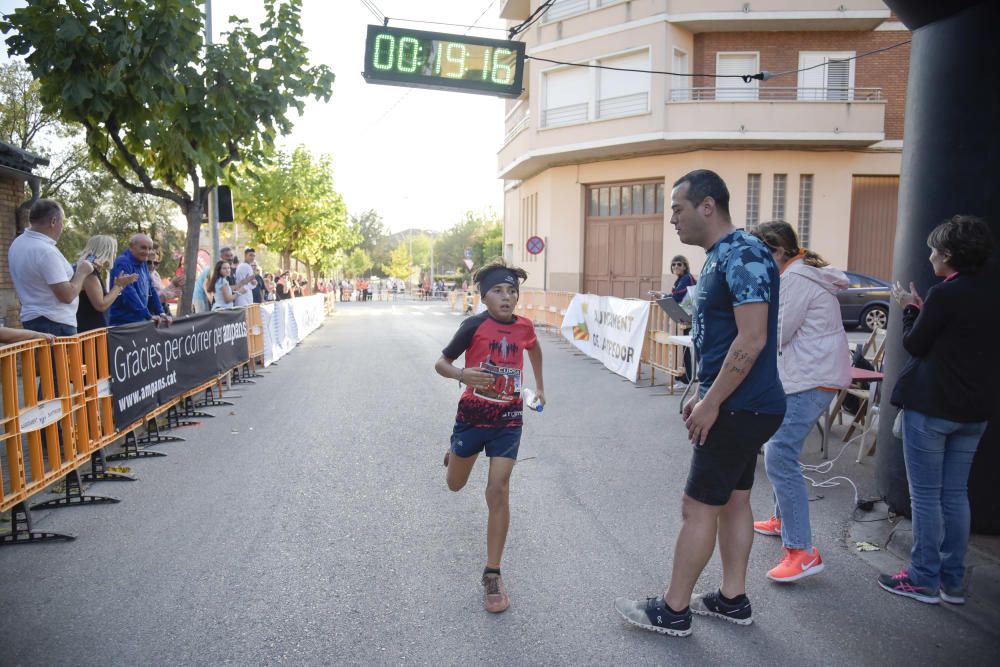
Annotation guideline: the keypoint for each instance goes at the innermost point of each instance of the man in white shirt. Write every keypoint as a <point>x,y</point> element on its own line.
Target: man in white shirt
<point>46,284</point>
<point>244,276</point>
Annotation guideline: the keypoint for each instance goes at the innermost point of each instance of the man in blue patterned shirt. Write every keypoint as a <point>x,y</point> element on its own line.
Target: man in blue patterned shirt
<point>740,404</point>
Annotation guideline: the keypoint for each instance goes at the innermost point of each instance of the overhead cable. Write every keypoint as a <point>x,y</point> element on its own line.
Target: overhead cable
<point>763,75</point>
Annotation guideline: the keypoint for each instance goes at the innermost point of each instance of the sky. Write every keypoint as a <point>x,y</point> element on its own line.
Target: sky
<point>421,158</point>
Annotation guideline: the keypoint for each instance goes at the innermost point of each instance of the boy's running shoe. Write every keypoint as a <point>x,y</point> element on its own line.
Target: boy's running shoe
<point>495,598</point>
<point>771,527</point>
<point>712,604</point>
<point>900,584</point>
<point>797,564</point>
<point>653,614</point>
<point>953,597</point>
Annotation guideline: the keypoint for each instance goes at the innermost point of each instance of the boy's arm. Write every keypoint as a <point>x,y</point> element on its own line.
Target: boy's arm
<point>535,356</point>
<point>473,377</point>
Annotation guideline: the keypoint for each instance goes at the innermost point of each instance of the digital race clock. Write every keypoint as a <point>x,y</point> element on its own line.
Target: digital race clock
<point>400,57</point>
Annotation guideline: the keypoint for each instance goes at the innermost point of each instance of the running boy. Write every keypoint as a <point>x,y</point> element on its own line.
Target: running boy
<point>489,411</point>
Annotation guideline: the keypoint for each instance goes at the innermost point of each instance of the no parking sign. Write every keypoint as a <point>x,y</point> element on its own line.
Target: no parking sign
<point>535,245</point>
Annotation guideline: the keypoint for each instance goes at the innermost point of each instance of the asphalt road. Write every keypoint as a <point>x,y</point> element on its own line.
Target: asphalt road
<point>312,526</point>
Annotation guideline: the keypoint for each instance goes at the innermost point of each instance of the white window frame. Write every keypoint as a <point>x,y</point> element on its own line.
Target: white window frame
<point>544,123</point>
<point>592,6</point>
<point>685,81</point>
<point>829,55</point>
<point>753,85</point>
<point>648,50</point>
<point>593,93</point>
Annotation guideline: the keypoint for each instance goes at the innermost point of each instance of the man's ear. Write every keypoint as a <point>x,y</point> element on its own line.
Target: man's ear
<point>708,206</point>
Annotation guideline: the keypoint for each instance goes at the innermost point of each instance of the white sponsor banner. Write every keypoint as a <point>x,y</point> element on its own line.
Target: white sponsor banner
<point>41,415</point>
<point>608,329</point>
<point>286,324</point>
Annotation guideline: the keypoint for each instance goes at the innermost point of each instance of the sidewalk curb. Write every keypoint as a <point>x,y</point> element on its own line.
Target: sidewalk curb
<point>894,541</point>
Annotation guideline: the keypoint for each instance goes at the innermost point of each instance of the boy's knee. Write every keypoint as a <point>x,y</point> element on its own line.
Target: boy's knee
<point>455,484</point>
<point>497,495</point>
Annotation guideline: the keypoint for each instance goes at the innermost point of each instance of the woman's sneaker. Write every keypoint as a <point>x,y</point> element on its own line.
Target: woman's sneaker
<point>952,597</point>
<point>797,564</point>
<point>900,584</point>
<point>771,527</point>
<point>495,598</point>
<point>653,614</point>
<point>711,604</point>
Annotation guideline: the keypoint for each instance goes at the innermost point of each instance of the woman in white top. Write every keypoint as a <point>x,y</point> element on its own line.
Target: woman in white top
<point>225,295</point>
<point>813,363</point>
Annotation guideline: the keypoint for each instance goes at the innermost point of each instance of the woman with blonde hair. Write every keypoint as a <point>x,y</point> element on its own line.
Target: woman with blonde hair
<point>813,363</point>
<point>95,299</point>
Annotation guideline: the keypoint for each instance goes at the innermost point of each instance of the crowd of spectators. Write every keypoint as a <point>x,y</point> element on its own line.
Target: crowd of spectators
<point>106,288</point>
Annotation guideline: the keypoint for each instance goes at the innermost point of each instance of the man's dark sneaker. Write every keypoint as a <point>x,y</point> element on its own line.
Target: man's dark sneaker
<point>654,614</point>
<point>953,597</point>
<point>712,604</point>
<point>900,584</point>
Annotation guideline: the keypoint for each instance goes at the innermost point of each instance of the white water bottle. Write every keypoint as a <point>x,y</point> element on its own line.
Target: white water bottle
<point>531,400</point>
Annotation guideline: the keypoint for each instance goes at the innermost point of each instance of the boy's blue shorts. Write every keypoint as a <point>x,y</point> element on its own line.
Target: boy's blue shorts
<point>469,440</point>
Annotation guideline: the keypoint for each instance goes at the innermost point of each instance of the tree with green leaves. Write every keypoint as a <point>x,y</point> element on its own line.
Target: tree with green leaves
<point>370,228</point>
<point>358,263</point>
<point>26,125</point>
<point>291,207</point>
<point>480,232</point>
<point>164,113</point>
<point>400,263</point>
<point>96,204</point>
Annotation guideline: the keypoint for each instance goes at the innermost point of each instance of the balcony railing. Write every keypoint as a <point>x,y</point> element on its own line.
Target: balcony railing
<point>565,8</point>
<point>572,113</point>
<point>776,94</point>
<point>624,105</point>
<point>609,107</point>
<point>517,127</point>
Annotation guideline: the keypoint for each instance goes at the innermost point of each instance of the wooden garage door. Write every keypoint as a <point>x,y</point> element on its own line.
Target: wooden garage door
<point>623,249</point>
<point>873,225</point>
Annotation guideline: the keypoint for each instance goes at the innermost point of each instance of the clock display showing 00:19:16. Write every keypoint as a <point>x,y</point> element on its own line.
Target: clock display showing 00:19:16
<point>441,58</point>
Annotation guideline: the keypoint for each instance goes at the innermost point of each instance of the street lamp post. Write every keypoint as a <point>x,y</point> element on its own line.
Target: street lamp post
<point>213,198</point>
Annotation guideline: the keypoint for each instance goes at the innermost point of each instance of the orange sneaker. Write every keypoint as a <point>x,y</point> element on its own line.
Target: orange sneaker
<point>495,598</point>
<point>770,527</point>
<point>797,564</point>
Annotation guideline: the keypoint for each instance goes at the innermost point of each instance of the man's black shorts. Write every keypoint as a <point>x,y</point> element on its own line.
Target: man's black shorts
<point>727,460</point>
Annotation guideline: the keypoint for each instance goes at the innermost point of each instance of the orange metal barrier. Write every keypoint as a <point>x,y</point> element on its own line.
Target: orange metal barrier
<point>46,432</point>
<point>657,350</point>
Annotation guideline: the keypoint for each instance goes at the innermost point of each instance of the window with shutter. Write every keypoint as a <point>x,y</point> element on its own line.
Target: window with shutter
<point>729,67</point>
<point>566,96</point>
<point>623,93</point>
<point>680,86</point>
<point>830,76</point>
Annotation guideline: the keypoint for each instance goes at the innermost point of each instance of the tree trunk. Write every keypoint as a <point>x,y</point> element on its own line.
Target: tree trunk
<point>193,215</point>
<point>286,260</point>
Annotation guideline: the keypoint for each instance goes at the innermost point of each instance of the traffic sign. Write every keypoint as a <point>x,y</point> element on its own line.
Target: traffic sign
<point>468,253</point>
<point>535,245</point>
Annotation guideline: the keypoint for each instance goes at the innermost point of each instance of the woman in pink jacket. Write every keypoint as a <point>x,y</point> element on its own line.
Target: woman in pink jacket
<point>813,363</point>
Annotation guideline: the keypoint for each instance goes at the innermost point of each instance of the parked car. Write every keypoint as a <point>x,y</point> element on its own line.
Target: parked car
<point>865,302</point>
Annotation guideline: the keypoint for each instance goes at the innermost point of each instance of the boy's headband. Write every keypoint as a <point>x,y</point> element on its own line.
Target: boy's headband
<point>496,276</point>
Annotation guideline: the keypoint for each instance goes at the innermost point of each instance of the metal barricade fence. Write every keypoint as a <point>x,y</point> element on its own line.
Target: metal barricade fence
<point>657,351</point>
<point>56,413</point>
<point>45,427</point>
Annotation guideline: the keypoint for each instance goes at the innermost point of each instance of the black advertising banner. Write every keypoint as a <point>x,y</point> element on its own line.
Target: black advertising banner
<point>151,366</point>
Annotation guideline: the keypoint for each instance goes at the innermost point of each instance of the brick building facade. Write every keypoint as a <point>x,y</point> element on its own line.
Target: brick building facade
<point>16,167</point>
